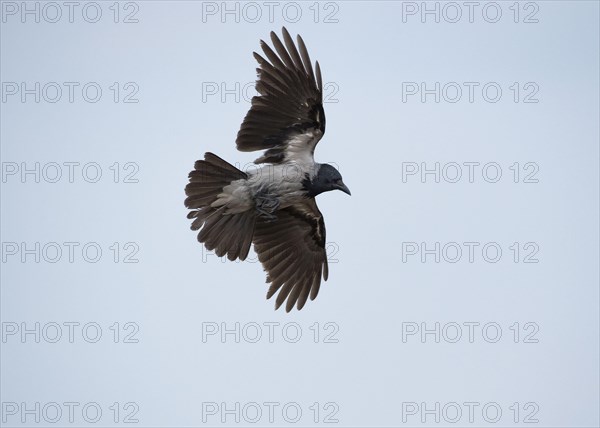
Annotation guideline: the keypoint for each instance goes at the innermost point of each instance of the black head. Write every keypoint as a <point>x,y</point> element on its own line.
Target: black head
<point>327,178</point>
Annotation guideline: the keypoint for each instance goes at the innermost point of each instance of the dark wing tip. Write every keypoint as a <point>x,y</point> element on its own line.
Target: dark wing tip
<point>319,79</point>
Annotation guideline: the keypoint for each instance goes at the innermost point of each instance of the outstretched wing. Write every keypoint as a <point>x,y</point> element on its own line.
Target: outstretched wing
<point>287,117</point>
<point>292,251</point>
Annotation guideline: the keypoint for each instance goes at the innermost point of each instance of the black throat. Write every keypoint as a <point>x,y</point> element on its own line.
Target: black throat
<point>312,188</point>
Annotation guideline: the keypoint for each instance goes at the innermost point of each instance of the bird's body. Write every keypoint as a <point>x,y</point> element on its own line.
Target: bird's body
<point>278,183</point>
<point>272,207</point>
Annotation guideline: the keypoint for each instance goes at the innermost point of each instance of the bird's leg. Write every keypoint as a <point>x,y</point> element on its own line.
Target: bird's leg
<point>266,205</point>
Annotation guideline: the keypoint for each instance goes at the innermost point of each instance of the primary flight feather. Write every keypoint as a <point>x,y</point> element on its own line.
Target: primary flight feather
<point>273,207</point>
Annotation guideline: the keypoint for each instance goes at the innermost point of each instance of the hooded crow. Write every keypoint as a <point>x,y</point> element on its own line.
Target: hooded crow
<point>274,206</point>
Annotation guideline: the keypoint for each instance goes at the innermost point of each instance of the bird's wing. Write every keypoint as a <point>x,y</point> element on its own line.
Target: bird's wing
<point>292,251</point>
<point>287,117</point>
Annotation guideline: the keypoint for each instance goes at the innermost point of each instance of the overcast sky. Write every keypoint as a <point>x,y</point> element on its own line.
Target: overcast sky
<point>463,285</point>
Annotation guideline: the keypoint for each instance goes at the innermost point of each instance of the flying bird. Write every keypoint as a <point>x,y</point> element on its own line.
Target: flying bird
<point>274,206</point>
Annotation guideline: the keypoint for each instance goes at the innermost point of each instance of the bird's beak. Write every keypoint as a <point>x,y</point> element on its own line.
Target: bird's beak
<point>341,186</point>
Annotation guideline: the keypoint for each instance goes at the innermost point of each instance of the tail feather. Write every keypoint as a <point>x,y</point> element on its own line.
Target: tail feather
<point>246,241</point>
<point>224,233</point>
<point>207,235</point>
<point>225,166</point>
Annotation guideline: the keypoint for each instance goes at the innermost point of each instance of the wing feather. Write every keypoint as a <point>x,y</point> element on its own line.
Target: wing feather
<point>291,47</point>
<point>292,252</point>
<point>281,50</point>
<point>319,80</point>
<point>289,104</point>
<point>306,60</point>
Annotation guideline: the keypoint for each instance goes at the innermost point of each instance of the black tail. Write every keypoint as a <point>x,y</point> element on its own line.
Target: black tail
<point>229,234</point>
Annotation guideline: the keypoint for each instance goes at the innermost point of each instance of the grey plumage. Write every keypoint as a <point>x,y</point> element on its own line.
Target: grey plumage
<point>269,207</point>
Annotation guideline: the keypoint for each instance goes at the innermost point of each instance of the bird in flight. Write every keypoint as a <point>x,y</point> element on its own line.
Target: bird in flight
<point>274,206</point>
